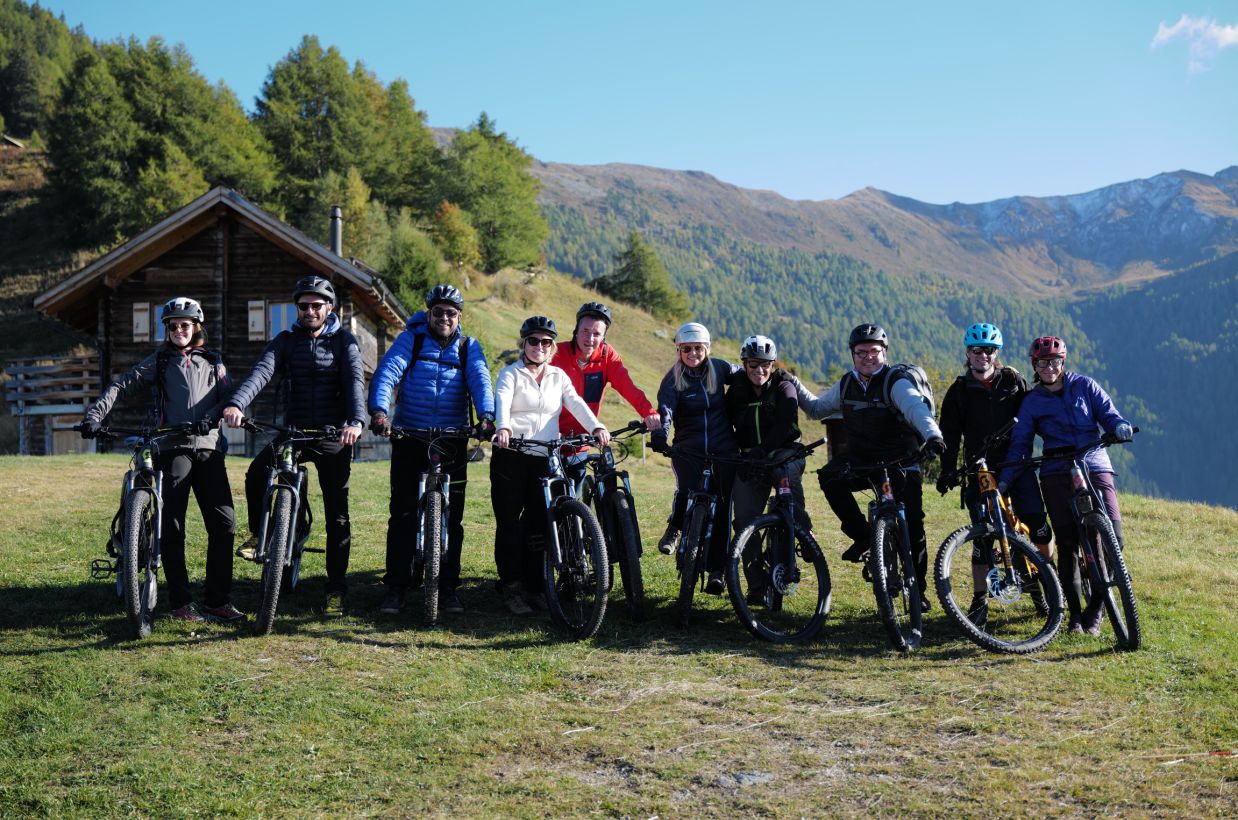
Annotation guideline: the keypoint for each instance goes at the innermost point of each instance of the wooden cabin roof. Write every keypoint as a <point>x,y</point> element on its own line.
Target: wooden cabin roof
<point>74,300</point>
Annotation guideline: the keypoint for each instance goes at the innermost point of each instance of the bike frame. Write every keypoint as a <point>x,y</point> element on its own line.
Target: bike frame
<point>703,494</point>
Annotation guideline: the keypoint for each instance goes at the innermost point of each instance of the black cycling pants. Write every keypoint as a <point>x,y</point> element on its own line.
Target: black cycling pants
<point>203,472</point>
<point>409,459</point>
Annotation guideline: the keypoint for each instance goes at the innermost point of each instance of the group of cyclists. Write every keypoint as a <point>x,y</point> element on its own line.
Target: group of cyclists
<point>435,377</point>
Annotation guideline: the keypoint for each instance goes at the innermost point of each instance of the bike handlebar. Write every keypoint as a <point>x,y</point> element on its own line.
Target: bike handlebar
<point>436,432</point>
<point>1067,453</point>
<point>522,443</point>
<point>145,433</point>
<point>327,433</point>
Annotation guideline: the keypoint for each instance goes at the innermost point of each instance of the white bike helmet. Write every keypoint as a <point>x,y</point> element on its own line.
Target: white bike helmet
<point>758,347</point>
<point>692,333</point>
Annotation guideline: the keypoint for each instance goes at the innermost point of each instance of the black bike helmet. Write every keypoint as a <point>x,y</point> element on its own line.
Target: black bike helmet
<point>445,295</point>
<point>315,285</point>
<point>868,333</point>
<point>539,324</point>
<point>596,309</point>
<point>182,307</point>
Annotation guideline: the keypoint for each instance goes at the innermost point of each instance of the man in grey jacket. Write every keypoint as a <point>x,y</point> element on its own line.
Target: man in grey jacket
<point>322,365</point>
<point>876,432</point>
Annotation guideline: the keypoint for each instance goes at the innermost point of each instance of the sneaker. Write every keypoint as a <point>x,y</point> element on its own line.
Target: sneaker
<point>1091,622</point>
<point>715,585</point>
<point>856,552</point>
<point>333,604</point>
<point>225,613</point>
<point>666,544</point>
<point>449,601</point>
<point>1076,627</point>
<point>393,602</point>
<point>249,549</point>
<point>188,612</point>
<point>513,599</point>
<point>757,596</point>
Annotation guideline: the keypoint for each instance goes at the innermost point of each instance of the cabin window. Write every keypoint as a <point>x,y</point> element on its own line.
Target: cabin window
<point>141,321</point>
<point>161,332</point>
<point>282,315</point>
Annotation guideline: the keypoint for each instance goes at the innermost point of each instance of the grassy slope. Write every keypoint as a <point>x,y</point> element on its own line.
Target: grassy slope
<point>491,714</point>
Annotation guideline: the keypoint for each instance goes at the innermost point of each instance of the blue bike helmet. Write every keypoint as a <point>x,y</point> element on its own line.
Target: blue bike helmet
<point>983,334</point>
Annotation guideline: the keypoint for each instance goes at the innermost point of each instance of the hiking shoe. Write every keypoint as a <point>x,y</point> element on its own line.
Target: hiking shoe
<point>856,552</point>
<point>225,613</point>
<point>449,602</point>
<point>757,596</point>
<point>1091,622</point>
<point>666,544</point>
<point>715,585</point>
<point>249,549</point>
<point>513,599</point>
<point>393,602</point>
<point>1076,627</point>
<point>333,604</point>
<point>188,612</point>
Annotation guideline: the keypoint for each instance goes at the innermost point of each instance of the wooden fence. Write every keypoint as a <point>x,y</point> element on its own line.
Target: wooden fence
<point>47,396</point>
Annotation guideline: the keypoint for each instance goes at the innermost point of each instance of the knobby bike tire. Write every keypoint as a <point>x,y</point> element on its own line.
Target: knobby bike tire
<point>431,535</point>
<point>1124,619</point>
<point>626,550</point>
<point>279,531</point>
<point>576,592</point>
<point>691,555</point>
<point>139,592</point>
<point>795,615</point>
<point>1014,622</point>
<point>898,599</point>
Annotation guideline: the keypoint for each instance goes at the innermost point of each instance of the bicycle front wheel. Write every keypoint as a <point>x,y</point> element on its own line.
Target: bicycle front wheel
<point>279,528</point>
<point>431,534</point>
<point>576,590</point>
<point>895,586</point>
<point>1016,610</point>
<point>775,600</point>
<point>138,581</point>
<point>691,558</point>
<point>1122,612</point>
<point>626,550</point>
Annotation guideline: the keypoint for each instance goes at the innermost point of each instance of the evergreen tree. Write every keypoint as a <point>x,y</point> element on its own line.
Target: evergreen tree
<point>413,263</point>
<point>640,279</point>
<point>455,235</point>
<point>488,175</point>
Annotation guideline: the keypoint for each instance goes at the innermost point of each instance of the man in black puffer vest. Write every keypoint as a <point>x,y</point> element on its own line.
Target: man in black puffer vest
<point>326,386</point>
<point>877,432</point>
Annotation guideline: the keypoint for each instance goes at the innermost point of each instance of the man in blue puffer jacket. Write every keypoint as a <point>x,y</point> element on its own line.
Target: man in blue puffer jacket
<point>435,370</point>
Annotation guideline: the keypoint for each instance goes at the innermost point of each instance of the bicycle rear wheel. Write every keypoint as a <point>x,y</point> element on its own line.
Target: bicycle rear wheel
<point>998,609</point>
<point>894,586</point>
<point>773,601</point>
<point>576,591</point>
<point>626,551</point>
<point>279,528</point>
<point>138,580</point>
<point>1124,616</point>
<point>431,534</point>
<point>691,558</point>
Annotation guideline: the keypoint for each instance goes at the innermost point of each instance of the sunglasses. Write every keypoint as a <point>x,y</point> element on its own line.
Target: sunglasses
<point>306,307</point>
<point>179,325</point>
<point>539,341</point>
<point>444,313</point>
<point>756,364</point>
<point>1049,364</point>
<point>982,351</point>
<point>692,348</point>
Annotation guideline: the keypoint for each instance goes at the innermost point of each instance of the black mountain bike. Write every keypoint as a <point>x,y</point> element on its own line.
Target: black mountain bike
<point>1101,567</point>
<point>433,509</point>
<point>991,580</point>
<point>137,527</point>
<point>609,492</point>
<point>890,563</point>
<point>576,570</point>
<point>281,542</point>
<point>775,598</point>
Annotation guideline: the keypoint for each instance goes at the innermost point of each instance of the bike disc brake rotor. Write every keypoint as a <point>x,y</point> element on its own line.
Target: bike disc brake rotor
<point>783,579</point>
<point>1002,589</point>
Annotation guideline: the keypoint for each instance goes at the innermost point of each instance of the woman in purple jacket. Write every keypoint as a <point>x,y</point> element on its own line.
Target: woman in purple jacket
<point>1066,409</point>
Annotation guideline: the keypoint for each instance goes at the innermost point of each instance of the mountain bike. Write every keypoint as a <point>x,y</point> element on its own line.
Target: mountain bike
<point>1101,565</point>
<point>609,492</point>
<point>287,519</point>
<point>774,598</point>
<point>576,569</point>
<point>433,509</point>
<point>137,529</point>
<point>890,565</point>
<point>991,580</point>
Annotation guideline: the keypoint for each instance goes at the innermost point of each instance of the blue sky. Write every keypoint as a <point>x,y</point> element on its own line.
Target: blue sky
<point>941,102</point>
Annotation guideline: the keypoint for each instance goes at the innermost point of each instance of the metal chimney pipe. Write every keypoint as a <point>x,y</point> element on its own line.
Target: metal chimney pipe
<point>337,230</point>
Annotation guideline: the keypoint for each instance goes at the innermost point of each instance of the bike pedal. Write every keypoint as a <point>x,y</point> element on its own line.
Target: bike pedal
<point>101,568</point>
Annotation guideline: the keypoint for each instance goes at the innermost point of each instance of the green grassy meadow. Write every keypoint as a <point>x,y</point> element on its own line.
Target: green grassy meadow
<point>491,714</point>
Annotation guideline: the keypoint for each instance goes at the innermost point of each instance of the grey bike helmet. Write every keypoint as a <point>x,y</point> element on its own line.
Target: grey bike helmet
<point>866,334</point>
<point>758,347</point>
<point>315,285</point>
<point>182,307</point>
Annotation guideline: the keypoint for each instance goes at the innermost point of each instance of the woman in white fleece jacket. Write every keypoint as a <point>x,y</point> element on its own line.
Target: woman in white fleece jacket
<point>530,395</point>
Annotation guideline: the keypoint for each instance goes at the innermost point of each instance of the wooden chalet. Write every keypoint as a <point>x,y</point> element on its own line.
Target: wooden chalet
<point>236,259</point>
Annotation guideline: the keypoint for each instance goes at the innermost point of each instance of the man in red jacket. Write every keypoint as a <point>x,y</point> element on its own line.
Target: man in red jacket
<point>592,364</point>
